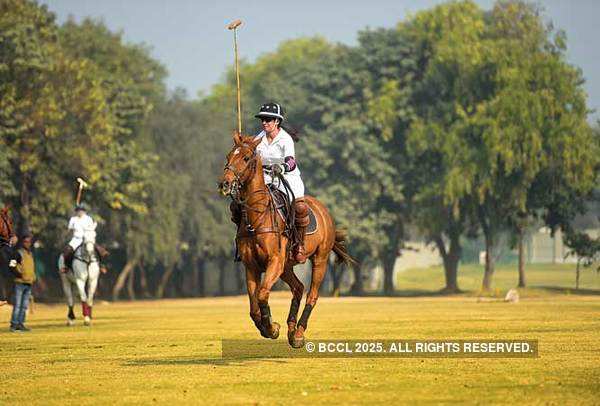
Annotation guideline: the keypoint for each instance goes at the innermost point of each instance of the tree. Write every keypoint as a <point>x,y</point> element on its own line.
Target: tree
<point>585,248</point>
<point>506,98</point>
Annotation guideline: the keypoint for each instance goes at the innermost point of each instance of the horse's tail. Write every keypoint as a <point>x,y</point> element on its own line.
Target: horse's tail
<point>341,250</point>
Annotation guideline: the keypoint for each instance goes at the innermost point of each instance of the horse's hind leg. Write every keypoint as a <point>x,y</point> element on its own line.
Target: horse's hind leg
<point>318,274</point>
<point>297,288</point>
<point>67,289</point>
<point>83,296</point>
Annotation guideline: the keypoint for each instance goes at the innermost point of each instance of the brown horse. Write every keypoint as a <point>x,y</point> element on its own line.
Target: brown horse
<point>6,225</point>
<point>8,254</point>
<point>263,245</point>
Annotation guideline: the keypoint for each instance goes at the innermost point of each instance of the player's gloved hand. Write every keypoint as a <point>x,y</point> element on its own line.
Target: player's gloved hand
<point>278,169</point>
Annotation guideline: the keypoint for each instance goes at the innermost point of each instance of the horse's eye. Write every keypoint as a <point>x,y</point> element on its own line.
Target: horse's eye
<point>246,158</point>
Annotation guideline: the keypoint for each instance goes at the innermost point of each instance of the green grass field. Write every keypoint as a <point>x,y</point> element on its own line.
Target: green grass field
<point>169,351</point>
<point>541,279</point>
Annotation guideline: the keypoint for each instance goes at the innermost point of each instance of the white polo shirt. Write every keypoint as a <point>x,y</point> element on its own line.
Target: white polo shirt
<point>281,147</point>
<point>80,224</point>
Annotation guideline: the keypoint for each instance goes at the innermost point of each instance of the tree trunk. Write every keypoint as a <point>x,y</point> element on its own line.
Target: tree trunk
<point>120,283</point>
<point>357,286</point>
<point>450,259</point>
<point>144,281</point>
<point>336,274</point>
<point>195,277</point>
<point>131,285</point>
<point>164,280</point>
<point>201,288</point>
<point>388,275</point>
<point>489,231</point>
<point>522,282</point>
<point>489,262</point>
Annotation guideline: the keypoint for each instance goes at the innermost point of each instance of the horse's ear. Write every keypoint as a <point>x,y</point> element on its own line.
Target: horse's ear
<point>237,138</point>
<point>255,141</point>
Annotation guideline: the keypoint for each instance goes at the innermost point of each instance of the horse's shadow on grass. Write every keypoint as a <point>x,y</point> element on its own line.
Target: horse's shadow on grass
<point>201,361</point>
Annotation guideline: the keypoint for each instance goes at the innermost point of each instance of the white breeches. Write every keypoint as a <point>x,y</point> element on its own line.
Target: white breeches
<point>75,242</point>
<point>295,182</point>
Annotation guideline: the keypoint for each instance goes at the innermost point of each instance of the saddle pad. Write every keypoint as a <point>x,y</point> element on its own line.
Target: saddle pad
<point>280,202</point>
<point>312,226</point>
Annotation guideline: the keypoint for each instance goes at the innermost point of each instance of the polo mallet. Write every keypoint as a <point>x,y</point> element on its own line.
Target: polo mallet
<point>233,26</point>
<point>82,184</point>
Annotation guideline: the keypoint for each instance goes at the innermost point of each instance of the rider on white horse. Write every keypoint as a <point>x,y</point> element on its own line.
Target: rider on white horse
<point>78,224</point>
<point>83,274</point>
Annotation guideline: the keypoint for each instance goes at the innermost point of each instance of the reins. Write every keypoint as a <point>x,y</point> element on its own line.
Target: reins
<point>248,205</point>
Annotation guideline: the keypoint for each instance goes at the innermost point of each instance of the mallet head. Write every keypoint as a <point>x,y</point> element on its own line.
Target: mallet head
<point>82,183</point>
<point>234,24</point>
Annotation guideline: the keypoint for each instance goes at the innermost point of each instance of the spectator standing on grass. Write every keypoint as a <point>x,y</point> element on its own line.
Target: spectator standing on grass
<point>23,283</point>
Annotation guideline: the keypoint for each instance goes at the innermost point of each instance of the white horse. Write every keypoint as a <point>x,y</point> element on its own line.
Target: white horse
<point>84,274</point>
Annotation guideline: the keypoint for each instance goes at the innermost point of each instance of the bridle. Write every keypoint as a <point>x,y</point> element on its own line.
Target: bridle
<point>81,257</point>
<point>238,182</point>
<point>246,204</point>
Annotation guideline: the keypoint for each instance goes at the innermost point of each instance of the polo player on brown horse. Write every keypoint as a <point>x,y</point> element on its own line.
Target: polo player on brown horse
<point>265,242</point>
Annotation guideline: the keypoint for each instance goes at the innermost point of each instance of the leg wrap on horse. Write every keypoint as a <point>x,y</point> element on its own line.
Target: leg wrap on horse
<point>265,313</point>
<point>294,307</point>
<point>305,315</point>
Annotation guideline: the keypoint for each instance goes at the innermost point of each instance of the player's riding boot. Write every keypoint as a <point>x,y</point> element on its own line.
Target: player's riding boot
<point>302,220</point>
<point>68,256</point>
<point>102,252</point>
<point>236,218</point>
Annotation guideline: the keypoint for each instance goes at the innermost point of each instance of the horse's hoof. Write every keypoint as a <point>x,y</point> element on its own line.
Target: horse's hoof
<point>291,336</point>
<point>296,342</point>
<point>87,321</point>
<point>275,327</point>
<point>70,322</point>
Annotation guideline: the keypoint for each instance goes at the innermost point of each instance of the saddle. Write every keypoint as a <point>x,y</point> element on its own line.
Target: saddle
<point>284,208</point>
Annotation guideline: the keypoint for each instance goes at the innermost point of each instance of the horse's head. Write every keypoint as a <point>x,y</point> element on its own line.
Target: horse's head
<point>89,238</point>
<point>6,224</point>
<point>240,165</point>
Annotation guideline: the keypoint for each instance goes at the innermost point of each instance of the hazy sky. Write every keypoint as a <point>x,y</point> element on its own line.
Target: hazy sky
<point>190,38</point>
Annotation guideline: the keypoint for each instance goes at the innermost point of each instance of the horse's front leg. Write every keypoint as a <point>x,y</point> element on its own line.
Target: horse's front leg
<point>297,289</point>
<point>274,271</point>
<point>93,275</point>
<point>252,282</point>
